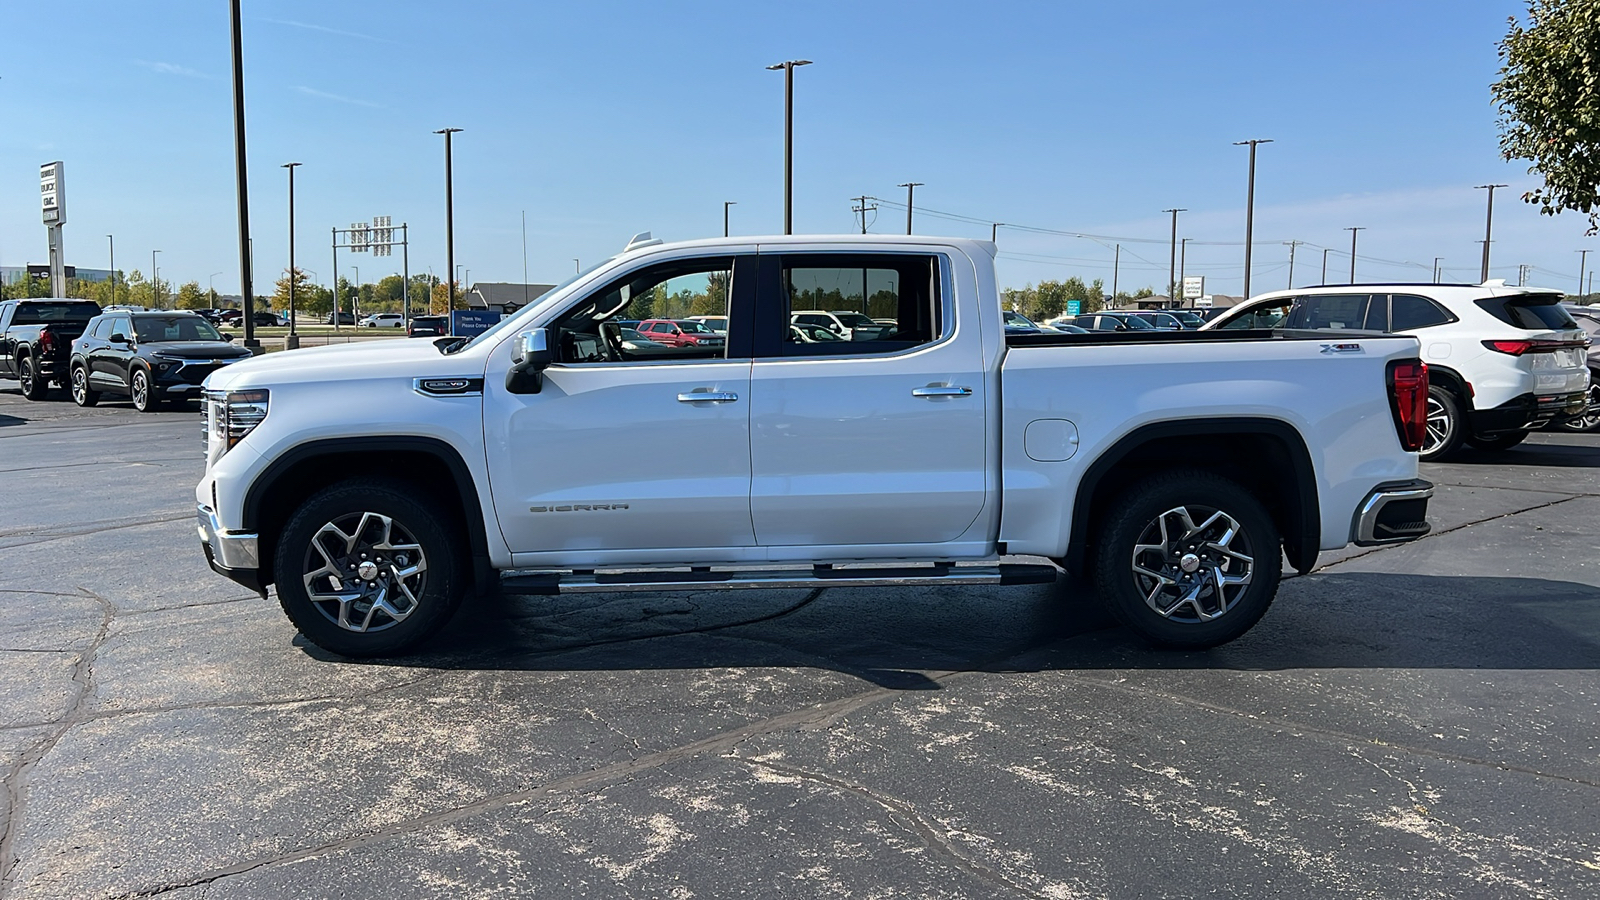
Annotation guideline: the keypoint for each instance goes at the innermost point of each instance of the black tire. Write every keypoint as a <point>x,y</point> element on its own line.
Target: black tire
<point>1446,424</point>
<point>1590,420</point>
<point>1200,608</point>
<point>33,387</point>
<point>141,391</point>
<point>329,533</point>
<point>82,394</point>
<point>1498,442</point>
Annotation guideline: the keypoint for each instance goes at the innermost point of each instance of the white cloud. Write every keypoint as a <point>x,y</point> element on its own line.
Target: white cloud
<point>324,95</point>
<point>167,68</point>
<point>326,30</point>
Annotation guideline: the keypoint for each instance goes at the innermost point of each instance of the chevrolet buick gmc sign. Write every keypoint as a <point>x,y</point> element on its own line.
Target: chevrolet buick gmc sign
<point>53,193</point>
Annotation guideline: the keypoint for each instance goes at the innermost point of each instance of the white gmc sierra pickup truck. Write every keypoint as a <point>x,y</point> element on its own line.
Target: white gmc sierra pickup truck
<point>378,485</point>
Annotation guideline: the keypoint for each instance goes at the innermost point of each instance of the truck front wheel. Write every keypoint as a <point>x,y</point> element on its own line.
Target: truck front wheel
<point>368,568</point>
<point>1188,560</point>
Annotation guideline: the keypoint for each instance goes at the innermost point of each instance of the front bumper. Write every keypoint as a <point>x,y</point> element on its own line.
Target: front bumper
<point>234,555</point>
<point>1528,412</point>
<point>1393,513</point>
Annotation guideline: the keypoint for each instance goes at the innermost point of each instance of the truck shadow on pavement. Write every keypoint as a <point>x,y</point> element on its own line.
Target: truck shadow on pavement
<point>1554,455</point>
<point>897,639</point>
<point>12,420</point>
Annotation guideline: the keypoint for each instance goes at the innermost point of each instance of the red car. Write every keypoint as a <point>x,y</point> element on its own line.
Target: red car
<point>681,333</point>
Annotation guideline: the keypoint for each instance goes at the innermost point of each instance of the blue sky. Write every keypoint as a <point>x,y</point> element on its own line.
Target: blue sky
<point>602,119</point>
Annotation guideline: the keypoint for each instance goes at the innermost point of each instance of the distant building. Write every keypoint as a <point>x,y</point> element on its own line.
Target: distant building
<point>14,274</point>
<point>504,296</point>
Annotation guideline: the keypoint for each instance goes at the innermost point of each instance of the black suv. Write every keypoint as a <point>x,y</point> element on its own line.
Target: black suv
<point>151,357</point>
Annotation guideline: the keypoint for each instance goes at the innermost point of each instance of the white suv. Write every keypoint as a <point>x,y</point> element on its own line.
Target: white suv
<point>384,320</point>
<point>1502,361</point>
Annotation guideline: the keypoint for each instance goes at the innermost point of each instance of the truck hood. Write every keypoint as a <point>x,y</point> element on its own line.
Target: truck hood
<point>397,358</point>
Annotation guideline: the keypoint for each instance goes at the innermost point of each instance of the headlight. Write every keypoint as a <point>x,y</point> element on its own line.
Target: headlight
<point>230,415</point>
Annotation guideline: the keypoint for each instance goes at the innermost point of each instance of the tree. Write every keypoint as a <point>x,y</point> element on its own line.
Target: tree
<point>190,296</point>
<point>1548,97</point>
<point>302,290</point>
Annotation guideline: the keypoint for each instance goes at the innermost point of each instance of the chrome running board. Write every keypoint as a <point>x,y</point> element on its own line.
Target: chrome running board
<point>584,581</point>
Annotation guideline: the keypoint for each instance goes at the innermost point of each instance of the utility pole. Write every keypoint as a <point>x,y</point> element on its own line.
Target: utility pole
<point>291,342</point>
<point>449,221</point>
<point>911,190</point>
<point>1353,250</point>
<point>246,273</point>
<point>1249,208</point>
<point>1522,275</point>
<point>1172,262</point>
<point>863,209</point>
<point>1324,266</point>
<point>1583,265</point>
<point>1116,269</point>
<point>788,68</point>
<point>1488,225</point>
<point>1437,274</point>
<point>153,280</point>
<point>994,232</point>
<point>1292,245</point>
<point>1183,265</point>
<point>113,242</point>
<point>725,205</point>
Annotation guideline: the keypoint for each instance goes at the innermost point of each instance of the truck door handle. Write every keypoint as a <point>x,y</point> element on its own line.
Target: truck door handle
<point>708,397</point>
<point>941,391</point>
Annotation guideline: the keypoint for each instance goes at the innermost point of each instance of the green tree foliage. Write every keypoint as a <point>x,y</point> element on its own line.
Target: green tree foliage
<point>191,297</point>
<point>26,287</point>
<point>302,290</point>
<point>387,295</point>
<point>1548,97</point>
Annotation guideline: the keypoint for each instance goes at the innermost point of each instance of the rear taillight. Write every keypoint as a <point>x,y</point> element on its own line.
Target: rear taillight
<point>47,341</point>
<point>1408,396</point>
<point>1517,348</point>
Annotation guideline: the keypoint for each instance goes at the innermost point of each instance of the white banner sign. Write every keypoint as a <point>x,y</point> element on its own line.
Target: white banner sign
<point>53,193</point>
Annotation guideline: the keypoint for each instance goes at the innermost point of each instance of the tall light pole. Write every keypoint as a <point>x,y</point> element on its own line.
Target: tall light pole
<point>788,68</point>
<point>1292,245</point>
<point>1250,207</point>
<point>1437,273</point>
<point>153,280</point>
<point>1353,250</point>
<point>113,242</point>
<point>994,231</point>
<point>911,190</point>
<point>1324,266</point>
<point>725,205</point>
<point>1488,225</point>
<point>1116,269</point>
<point>246,273</point>
<point>1583,264</point>
<point>1183,264</point>
<point>449,218</point>
<point>293,340</point>
<point>211,288</point>
<point>1172,264</point>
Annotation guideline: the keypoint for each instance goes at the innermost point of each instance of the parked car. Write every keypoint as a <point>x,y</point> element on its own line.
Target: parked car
<point>261,318</point>
<point>682,333</point>
<point>1110,320</point>
<point>1502,361</point>
<point>345,317</point>
<point>1017,323</point>
<point>1176,471</point>
<point>150,357</point>
<point>1160,320</point>
<point>1588,318</point>
<point>36,340</point>
<point>850,325</point>
<point>719,324</point>
<point>813,334</point>
<point>384,320</point>
<point>428,326</point>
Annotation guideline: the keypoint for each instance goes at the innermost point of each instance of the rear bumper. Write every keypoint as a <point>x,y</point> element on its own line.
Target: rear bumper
<point>1392,513</point>
<point>235,555</point>
<point>1527,412</point>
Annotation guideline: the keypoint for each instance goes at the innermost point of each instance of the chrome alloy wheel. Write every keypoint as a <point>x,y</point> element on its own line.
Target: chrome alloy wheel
<point>1590,420</point>
<point>139,391</point>
<point>364,572</point>
<point>1440,426</point>
<point>80,385</point>
<point>1192,572</point>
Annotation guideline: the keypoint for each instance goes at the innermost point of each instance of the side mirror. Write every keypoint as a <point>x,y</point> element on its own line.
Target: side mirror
<point>529,359</point>
<point>119,338</point>
<point>225,335</point>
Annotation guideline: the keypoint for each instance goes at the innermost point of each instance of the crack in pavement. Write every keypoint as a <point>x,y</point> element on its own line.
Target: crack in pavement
<point>1453,529</point>
<point>918,824</point>
<point>86,531</point>
<point>16,780</point>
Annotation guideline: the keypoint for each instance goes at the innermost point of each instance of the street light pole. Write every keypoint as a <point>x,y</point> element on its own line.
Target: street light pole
<point>291,342</point>
<point>1183,265</point>
<point>1353,250</point>
<point>1116,269</point>
<point>1324,266</point>
<point>1436,272</point>
<point>1172,263</point>
<point>246,273</point>
<point>788,68</point>
<point>725,205</point>
<point>153,280</point>
<point>211,288</point>
<point>1488,225</point>
<point>911,190</point>
<point>449,219</point>
<point>1583,264</point>
<point>1250,208</point>
<point>994,231</point>
<point>113,242</point>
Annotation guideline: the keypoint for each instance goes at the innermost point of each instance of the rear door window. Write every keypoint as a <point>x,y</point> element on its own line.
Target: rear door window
<point>46,313</point>
<point>854,289</point>
<point>1530,312</point>
<point>1333,311</point>
<point>1408,311</point>
<point>1267,315</point>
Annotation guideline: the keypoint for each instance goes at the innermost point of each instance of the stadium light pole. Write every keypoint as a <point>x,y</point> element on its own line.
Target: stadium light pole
<point>291,342</point>
<point>449,220</point>
<point>1172,263</point>
<point>788,68</point>
<point>911,191</point>
<point>1488,224</point>
<point>1250,207</point>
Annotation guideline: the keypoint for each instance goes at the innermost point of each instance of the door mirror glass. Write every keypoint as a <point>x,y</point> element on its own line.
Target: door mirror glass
<point>529,359</point>
<point>118,337</point>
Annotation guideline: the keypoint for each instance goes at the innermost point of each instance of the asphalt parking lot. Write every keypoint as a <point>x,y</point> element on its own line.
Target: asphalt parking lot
<point>1421,721</point>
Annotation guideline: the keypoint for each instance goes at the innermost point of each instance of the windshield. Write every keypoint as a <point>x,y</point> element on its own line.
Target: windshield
<point>45,313</point>
<point>1188,318</point>
<point>154,329</point>
<point>1017,319</point>
<point>695,328</point>
<point>854,319</point>
<point>1135,323</point>
<point>511,321</point>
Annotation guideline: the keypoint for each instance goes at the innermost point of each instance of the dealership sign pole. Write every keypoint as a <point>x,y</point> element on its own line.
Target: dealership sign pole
<point>53,194</point>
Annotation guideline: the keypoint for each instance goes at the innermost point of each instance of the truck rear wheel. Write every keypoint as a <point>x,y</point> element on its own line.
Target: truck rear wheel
<point>33,386</point>
<point>368,568</point>
<point>1188,560</point>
